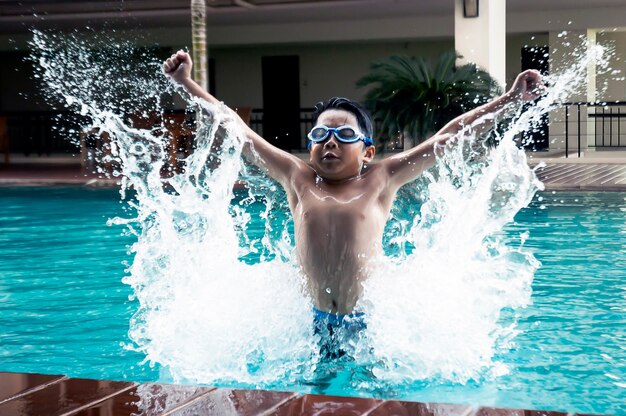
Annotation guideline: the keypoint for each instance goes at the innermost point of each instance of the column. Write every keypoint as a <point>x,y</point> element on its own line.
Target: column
<point>482,39</point>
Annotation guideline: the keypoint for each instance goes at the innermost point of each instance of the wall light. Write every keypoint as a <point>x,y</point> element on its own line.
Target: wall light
<point>470,8</point>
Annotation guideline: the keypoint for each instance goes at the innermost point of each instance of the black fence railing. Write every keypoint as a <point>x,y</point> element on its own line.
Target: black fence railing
<point>306,124</point>
<point>578,124</point>
<point>594,125</point>
<point>40,132</point>
<point>48,132</point>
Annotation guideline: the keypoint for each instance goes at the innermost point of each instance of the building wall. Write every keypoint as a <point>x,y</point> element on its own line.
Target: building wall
<point>326,70</point>
<point>333,69</point>
<point>611,85</point>
<point>330,69</point>
<point>514,45</point>
<point>521,17</point>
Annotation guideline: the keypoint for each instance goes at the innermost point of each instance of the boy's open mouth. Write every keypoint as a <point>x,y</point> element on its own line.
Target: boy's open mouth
<point>330,156</point>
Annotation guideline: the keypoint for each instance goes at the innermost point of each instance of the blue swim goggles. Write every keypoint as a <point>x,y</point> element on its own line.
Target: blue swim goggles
<point>345,134</point>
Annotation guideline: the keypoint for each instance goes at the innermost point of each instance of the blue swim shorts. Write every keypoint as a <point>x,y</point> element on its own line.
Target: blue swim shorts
<point>336,331</point>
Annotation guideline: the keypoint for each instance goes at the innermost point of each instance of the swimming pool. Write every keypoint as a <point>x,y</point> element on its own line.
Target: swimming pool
<point>64,309</point>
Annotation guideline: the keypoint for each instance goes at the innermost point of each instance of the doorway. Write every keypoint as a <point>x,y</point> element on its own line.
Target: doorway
<point>281,101</point>
<point>536,57</point>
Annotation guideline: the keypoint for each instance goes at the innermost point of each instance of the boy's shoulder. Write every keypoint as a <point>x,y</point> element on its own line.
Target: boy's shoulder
<point>375,169</point>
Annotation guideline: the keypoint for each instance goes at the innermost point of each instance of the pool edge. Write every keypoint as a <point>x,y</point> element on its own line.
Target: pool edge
<point>62,395</point>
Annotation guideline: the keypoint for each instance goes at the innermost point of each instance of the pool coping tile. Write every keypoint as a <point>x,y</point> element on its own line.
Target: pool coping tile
<point>45,381</point>
<point>316,404</point>
<point>154,394</point>
<point>65,397</point>
<point>494,411</point>
<point>260,402</point>
<point>406,408</point>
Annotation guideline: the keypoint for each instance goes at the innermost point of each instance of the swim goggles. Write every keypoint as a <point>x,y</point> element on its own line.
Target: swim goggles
<point>345,134</point>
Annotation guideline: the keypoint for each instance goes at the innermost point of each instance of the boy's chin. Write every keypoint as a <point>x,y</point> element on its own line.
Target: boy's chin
<point>335,174</point>
<point>328,167</point>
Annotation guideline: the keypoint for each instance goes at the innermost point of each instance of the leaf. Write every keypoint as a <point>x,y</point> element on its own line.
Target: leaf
<point>418,97</point>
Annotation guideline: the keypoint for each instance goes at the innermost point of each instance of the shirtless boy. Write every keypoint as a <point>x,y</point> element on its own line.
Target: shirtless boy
<point>340,199</point>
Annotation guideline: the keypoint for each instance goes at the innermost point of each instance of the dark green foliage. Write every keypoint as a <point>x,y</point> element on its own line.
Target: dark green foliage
<point>416,97</point>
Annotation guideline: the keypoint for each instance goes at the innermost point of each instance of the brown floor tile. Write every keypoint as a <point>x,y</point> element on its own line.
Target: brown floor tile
<point>145,399</point>
<point>488,411</point>
<point>395,408</point>
<point>62,397</point>
<point>13,384</point>
<point>311,404</point>
<point>234,402</point>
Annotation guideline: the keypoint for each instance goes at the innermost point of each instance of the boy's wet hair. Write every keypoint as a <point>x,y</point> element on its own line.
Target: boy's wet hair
<point>363,117</point>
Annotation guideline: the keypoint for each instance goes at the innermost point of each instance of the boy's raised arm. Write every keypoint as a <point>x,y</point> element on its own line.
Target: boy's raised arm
<point>407,166</point>
<point>278,164</point>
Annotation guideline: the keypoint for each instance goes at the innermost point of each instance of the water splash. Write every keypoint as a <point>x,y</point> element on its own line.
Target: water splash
<point>203,315</point>
<point>219,304</point>
<point>445,322</point>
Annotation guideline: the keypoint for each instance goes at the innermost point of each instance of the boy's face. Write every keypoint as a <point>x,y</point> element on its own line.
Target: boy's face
<point>333,159</point>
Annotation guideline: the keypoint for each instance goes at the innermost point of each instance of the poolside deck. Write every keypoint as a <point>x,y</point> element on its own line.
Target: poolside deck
<point>37,394</point>
<point>587,177</point>
<point>48,170</point>
<point>595,171</point>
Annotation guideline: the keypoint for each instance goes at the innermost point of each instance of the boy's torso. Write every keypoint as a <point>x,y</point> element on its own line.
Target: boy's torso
<point>338,231</point>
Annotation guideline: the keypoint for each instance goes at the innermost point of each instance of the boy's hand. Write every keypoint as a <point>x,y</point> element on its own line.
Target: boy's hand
<point>528,86</point>
<point>178,66</point>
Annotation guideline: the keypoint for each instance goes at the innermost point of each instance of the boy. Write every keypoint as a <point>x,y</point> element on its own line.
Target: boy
<point>340,200</point>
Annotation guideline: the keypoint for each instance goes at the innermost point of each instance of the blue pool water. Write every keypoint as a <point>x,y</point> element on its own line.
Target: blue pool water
<point>63,308</point>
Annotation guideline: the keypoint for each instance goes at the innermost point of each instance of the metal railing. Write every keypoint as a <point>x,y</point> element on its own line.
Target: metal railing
<point>608,122</point>
<point>580,124</point>
<point>306,123</point>
<point>40,132</point>
<point>47,132</point>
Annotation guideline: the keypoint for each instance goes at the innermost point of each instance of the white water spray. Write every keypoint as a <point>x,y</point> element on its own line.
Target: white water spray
<point>436,314</point>
<point>208,316</point>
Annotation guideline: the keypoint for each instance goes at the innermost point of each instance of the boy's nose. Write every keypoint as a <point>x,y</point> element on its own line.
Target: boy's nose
<point>332,141</point>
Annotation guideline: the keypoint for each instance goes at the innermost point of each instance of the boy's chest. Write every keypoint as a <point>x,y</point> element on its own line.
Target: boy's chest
<point>350,202</point>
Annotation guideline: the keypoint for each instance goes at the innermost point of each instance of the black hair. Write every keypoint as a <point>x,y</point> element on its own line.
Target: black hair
<point>363,117</point>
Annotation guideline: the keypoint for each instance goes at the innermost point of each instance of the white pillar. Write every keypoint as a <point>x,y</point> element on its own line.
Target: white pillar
<point>591,68</point>
<point>482,39</point>
<point>592,89</point>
